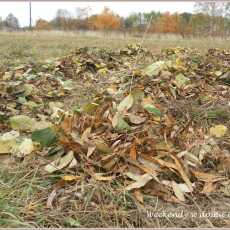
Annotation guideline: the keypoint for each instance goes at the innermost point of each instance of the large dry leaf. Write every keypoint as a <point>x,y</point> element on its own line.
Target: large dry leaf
<point>67,124</point>
<point>133,152</point>
<point>176,166</point>
<point>25,123</point>
<point>51,198</point>
<point>60,163</point>
<point>139,196</point>
<point>73,164</point>
<point>137,120</point>
<point>155,68</point>
<point>177,191</point>
<point>181,81</point>
<point>165,163</point>
<point>102,147</point>
<point>119,123</point>
<point>157,189</point>
<point>207,177</point>
<point>140,181</point>
<point>11,142</point>
<point>86,134</point>
<point>182,172</point>
<point>126,104</point>
<point>145,169</point>
<point>90,150</point>
<point>8,142</point>
<point>22,123</point>
<point>183,187</point>
<point>25,148</point>
<point>191,158</point>
<point>149,162</point>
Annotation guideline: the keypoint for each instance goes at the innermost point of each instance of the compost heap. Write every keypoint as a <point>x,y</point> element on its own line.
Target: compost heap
<point>158,124</point>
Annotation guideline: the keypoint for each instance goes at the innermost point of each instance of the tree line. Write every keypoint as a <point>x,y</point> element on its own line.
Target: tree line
<point>208,19</point>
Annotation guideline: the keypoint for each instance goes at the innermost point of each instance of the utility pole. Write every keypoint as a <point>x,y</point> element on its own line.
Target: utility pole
<point>30,16</point>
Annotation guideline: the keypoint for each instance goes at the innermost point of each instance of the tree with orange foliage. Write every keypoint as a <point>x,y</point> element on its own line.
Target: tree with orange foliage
<point>42,24</point>
<point>107,20</point>
<point>167,23</point>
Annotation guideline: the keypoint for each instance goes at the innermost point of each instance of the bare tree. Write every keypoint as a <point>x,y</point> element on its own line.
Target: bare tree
<point>217,12</point>
<point>11,21</point>
<point>62,19</point>
<point>83,13</point>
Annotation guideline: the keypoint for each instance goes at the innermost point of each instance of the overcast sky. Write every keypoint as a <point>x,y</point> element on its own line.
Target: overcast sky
<point>47,10</point>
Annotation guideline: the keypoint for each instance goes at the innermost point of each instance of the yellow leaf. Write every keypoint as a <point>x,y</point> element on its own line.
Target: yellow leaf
<point>101,177</point>
<point>71,177</point>
<point>218,130</point>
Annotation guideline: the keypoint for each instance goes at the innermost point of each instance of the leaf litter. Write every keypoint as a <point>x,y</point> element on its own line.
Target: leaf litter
<point>165,137</point>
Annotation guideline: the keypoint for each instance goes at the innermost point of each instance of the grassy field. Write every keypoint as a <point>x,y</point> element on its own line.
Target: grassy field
<point>24,188</point>
<point>23,47</point>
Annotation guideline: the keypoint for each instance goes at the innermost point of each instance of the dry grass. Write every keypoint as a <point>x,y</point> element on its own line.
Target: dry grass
<point>23,47</point>
<point>25,188</point>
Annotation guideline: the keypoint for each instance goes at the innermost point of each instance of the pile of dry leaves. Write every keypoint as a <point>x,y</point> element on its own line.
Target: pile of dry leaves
<point>157,124</point>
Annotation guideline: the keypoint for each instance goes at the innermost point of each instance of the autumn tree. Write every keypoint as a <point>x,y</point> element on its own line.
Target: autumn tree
<point>42,24</point>
<point>167,23</point>
<point>107,20</point>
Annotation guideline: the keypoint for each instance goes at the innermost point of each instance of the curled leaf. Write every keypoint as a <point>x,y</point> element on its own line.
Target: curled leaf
<point>119,123</point>
<point>126,103</point>
<point>178,192</point>
<point>155,68</point>
<point>60,163</point>
<point>140,181</point>
<point>137,120</point>
<point>152,109</point>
